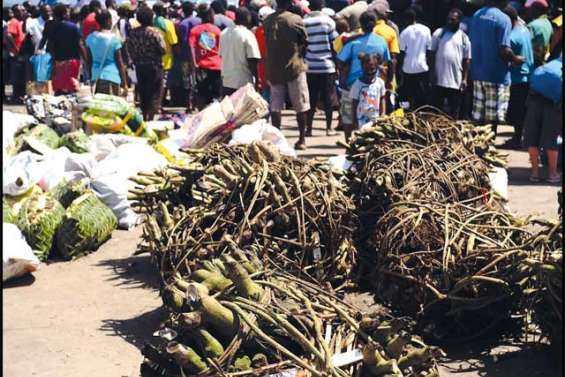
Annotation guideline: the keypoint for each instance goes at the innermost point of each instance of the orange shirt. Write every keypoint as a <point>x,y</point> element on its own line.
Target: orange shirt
<point>16,30</point>
<point>389,35</point>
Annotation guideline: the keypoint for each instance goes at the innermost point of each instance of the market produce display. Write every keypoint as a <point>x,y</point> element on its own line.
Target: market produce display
<point>259,321</point>
<point>438,244</point>
<point>39,218</point>
<point>76,141</point>
<point>88,224</point>
<point>288,211</point>
<point>66,192</point>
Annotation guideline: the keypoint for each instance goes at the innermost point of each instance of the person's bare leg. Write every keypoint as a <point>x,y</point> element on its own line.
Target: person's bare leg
<point>552,156</point>
<point>534,160</point>
<point>276,119</point>
<point>301,118</point>
<point>310,121</point>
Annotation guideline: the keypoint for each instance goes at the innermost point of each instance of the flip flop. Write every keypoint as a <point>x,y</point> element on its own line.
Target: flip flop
<point>534,179</point>
<point>553,180</point>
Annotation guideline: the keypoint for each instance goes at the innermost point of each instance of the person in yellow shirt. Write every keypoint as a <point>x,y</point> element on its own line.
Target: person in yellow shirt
<point>168,31</point>
<point>382,29</point>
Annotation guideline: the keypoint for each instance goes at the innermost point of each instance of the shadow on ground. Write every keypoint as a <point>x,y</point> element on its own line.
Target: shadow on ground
<point>21,281</point>
<point>133,272</point>
<point>507,359</point>
<point>137,330</point>
<point>520,176</point>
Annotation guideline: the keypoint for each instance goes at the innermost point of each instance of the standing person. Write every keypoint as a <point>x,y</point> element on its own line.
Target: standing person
<point>181,77</point>
<point>543,125</point>
<point>521,45</point>
<point>391,36</point>
<point>204,42</point>
<point>146,48</point>
<point>89,24</point>
<point>111,7</point>
<point>7,15</point>
<point>240,54</point>
<point>168,31</point>
<point>286,70</point>
<point>368,92</point>
<point>353,12</point>
<point>415,53</point>
<point>321,75</point>
<point>35,26</point>
<point>490,67</point>
<point>264,89</point>
<point>351,69</point>
<point>105,61</point>
<point>17,58</point>
<point>220,19</point>
<point>540,28</point>
<point>66,47</point>
<point>451,49</point>
<point>125,22</point>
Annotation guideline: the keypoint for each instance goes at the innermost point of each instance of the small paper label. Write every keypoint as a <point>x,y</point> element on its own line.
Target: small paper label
<point>317,254</point>
<point>348,357</point>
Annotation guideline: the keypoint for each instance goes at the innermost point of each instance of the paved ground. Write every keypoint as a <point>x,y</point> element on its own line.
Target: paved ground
<point>88,317</point>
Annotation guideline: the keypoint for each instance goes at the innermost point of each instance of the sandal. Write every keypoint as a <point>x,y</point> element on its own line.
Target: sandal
<point>534,179</point>
<point>553,179</point>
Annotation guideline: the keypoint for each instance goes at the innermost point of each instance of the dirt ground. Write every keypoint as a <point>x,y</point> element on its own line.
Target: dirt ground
<point>90,317</point>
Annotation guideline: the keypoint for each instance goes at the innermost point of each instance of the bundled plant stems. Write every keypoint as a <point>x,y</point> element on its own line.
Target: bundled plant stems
<point>438,243</point>
<point>293,214</point>
<point>88,223</point>
<point>258,321</point>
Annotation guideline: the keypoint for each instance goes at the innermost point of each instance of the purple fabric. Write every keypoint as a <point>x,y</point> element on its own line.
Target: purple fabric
<point>183,31</point>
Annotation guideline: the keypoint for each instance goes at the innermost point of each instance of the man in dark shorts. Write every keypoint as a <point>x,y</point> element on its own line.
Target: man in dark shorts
<point>321,75</point>
<point>543,126</point>
<point>204,41</point>
<point>286,70</point>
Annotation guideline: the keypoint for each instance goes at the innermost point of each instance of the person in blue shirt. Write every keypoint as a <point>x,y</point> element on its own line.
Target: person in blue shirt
<point>490,67</point>
<point>543,126</point>
<point>105,62</point>
<point>351,69</point>
<point>521,44</point>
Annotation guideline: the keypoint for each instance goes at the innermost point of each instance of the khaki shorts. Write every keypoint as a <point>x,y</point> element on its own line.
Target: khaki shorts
<point>297,91</point>
<point>346,108</point>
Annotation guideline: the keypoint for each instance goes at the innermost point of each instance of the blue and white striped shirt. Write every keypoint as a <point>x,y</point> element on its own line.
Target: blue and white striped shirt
<point>321,33</point>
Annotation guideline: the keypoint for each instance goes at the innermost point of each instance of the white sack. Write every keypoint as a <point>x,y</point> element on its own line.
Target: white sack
<point>499,181</point>
<point>260,130</point>
<point>110,178</point>
<point>17,257</point>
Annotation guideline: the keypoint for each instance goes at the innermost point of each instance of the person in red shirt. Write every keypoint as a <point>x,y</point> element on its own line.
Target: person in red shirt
<point>89,24</point>
<point>264,12</point>
<point>15,39</point>
<point>204,41</point>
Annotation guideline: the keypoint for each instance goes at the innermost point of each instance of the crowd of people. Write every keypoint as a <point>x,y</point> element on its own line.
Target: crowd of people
<point>491,61</point>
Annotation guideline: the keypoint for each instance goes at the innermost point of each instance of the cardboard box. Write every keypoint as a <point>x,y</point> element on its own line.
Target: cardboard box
<point>34,88</point>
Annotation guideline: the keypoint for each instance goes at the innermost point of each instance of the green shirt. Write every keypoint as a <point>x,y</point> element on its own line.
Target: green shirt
<point>541,30</point>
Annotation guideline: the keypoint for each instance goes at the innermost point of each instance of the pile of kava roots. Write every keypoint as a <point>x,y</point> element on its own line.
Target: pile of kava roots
<point>436,243</point>
<point>253,248</point>
<point>257,250</point>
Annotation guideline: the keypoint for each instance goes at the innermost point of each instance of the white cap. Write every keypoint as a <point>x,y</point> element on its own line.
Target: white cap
<point>265,12</point>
